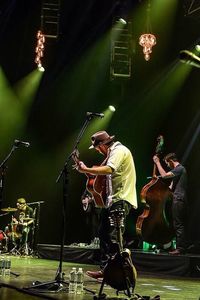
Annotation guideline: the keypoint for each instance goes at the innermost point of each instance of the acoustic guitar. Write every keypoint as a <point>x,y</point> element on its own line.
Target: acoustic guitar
<point>96,184</point>
<point>120,273</point>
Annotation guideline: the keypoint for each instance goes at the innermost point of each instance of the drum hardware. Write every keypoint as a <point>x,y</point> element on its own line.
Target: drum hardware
<point>14,251</point>
<point>18,235</point>
<point>14,236</point>
<point>27,219</point>
<point>9,209</point>
<point>25,249</point>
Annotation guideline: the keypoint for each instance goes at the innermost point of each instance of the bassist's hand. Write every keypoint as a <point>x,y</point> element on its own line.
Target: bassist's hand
<point>156,159</point>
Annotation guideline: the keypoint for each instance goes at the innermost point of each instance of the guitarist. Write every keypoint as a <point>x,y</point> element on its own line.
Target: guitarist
<point>119,170</point>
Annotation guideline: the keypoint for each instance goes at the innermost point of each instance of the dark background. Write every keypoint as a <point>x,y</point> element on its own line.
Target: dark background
<point>154,101</point>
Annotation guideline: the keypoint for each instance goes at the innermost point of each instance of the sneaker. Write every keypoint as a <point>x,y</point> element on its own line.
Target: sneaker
<point>95,274</point>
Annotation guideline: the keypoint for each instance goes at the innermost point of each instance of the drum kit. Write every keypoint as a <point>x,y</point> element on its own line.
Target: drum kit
<point>14,239</point>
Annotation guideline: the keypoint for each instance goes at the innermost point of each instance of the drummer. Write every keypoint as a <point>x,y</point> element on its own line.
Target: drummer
<point>22,220</point>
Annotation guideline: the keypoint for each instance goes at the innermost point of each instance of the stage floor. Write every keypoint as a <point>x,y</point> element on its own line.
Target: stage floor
<point>34,269</point>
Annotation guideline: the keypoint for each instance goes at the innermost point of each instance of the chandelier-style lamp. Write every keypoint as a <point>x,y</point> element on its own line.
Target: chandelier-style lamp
<point>39,48</point>
<point>147,40</point>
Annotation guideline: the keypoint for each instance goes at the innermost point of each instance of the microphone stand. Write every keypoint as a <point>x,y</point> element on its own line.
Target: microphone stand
<point>3,168</point>
<point>57,284</point>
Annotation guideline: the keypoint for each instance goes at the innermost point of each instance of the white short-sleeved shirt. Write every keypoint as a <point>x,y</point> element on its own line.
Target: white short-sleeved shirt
<point>122,182</point>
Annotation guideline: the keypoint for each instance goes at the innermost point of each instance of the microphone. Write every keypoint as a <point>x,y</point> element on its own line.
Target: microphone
<point>18,143</point>
<point>91,114</point>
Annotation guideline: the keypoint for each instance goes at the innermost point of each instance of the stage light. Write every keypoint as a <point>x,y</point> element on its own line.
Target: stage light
<point>197,47</point>
<point>189,58</point>
<point>41,68</point>
<point>122,21</point>
<point>111,108</point>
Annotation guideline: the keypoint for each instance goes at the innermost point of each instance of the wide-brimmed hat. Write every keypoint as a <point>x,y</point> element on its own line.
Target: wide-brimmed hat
<point>101,137</point>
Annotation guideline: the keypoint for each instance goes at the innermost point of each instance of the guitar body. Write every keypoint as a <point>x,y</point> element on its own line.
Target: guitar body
<point>96,185</point>
<point>120,272</point>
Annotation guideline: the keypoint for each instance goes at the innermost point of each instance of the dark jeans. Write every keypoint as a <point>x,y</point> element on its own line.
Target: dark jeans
<point>107,233</point>
<point>179,210</point>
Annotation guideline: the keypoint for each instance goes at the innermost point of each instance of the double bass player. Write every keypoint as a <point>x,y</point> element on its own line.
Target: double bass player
<point>178,176</point>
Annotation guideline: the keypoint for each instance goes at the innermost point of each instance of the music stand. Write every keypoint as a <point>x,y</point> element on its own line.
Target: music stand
<point>58,283</point>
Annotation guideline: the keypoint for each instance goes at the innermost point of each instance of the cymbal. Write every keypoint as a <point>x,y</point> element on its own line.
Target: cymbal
<point>9,209</point>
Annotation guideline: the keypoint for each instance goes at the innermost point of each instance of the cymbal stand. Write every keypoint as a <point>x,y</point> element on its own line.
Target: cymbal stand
<point>25,249</point>
<point>58,283</point>
<point>14,250</point>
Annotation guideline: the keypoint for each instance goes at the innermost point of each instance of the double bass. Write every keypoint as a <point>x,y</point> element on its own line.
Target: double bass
<point>155,224</point>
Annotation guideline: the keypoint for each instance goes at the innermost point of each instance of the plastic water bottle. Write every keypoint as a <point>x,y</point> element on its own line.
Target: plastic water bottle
<point>72,281</point>
<point>96,243</point>
<point>2,266</point>
<point>7,266</point>
<point>80,279</point>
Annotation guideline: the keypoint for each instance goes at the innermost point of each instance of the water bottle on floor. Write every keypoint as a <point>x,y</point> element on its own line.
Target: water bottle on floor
<point>72,281</point>
<point>7,266</point>
<point>80,279</point>
<point>2,266</point>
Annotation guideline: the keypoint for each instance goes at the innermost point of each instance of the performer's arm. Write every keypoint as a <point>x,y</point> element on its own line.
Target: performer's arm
<point>162,172</point>
<point>96,170</point>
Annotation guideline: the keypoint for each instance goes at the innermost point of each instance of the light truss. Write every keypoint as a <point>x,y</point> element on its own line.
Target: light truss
<point>192,8</point>
<point>50,14</point>
<point>121,52</point>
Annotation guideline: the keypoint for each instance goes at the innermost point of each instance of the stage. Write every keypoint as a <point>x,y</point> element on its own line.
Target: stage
<point>26,270</point>
<point>187,265</point>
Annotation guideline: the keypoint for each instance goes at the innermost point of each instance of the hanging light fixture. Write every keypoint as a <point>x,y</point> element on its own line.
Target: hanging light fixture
<point>39,50</point>
<point>147,40</point>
